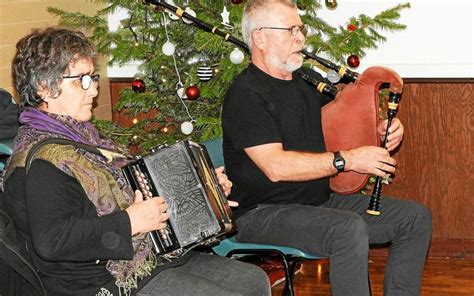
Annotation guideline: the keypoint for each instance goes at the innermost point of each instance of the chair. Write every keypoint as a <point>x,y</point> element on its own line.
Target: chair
<point>5,151</point>
<point>230,247</point>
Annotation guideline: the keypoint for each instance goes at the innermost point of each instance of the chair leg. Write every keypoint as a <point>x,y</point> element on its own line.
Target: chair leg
<point>288,290</point>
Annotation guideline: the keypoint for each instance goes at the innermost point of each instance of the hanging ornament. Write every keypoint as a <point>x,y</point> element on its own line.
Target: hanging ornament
<point>168,48</point>
<point>333,77</point>
<point>138,85</point>
<point>309,48</point>
<point>181,93</point>
<point>191,12</point>
<point>187,127</point>
<point>204,73</point>
<point>192,92</point>
<point>225,16</point>
<point>236,56</point>
<point>331,4</point>
<point>236,1</point>
<point>353,61</point>
<point>351,27</point>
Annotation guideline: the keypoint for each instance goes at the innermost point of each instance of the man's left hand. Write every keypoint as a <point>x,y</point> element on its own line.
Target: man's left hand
<point>395,135</point>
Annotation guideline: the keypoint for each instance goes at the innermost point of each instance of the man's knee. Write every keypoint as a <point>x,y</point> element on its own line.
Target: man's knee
<point>352,234</point>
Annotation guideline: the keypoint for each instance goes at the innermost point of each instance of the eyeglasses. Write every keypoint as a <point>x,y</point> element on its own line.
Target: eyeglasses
<point>86,80</point>
<point>294,30</point>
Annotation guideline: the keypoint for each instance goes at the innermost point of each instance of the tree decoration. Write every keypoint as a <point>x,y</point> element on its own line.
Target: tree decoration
<point>168,48</point>
<point>187,127</point>
<point>333,77</point>
<point>236,56</point>
<point>351,27</point>
<point>192,92</point>
<point>204,73</point>
<point>138,85</point>
<point>146,28</point>
<point>331,4</point>
<point>191,12</point>
<point>353,61</point>
<point>225,17</point>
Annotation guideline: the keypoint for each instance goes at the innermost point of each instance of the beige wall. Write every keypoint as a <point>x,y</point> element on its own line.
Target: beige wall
<point>19,17</point>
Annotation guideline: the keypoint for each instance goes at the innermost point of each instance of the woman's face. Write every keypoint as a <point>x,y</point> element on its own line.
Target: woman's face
<point>74,101</point>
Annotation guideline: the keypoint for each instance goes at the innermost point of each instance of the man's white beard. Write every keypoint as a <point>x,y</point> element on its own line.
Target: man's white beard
<point>287,65</point>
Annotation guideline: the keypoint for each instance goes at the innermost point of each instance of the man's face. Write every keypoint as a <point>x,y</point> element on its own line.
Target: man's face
<point>283,48</point>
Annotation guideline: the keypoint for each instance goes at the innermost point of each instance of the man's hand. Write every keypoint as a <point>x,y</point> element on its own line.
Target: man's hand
<point>395,135</point>
<point>369,160</point>
<point>147,215</point>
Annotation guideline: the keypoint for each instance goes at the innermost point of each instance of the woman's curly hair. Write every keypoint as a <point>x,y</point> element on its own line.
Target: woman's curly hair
<point>43,57</point>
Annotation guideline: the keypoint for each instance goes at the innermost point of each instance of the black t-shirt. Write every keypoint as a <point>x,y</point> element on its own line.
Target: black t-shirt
<point>260,109</point>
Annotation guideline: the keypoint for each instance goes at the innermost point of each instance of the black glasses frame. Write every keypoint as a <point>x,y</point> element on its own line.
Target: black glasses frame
<point>86,80</point>
<point>294,30</point>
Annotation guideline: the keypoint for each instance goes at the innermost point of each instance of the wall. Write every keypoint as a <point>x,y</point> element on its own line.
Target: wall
<point>18,18</point>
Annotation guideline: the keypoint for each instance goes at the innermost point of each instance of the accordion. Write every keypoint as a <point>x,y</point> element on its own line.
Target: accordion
<point>183,174</point>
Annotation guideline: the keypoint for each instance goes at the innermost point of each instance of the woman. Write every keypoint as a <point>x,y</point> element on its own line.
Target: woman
<point>86,230</point>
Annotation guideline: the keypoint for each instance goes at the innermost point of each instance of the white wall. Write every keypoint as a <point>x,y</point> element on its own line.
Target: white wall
<point>437,43</point>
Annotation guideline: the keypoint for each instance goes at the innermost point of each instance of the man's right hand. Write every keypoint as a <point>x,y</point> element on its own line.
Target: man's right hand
<point>369,160</point>
<point>147,215</point>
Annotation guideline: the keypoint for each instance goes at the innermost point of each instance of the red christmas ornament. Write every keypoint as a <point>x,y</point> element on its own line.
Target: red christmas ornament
<point>351,27</point>
<point>236,1</point>
<point>353,61</point>
<point>138,85</point>
<point>192,92</point>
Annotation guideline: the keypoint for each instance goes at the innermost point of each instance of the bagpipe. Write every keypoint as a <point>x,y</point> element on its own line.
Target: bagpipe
<point>350,119</point>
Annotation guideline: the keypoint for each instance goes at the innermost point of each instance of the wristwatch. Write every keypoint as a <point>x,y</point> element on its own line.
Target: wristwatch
<point>339,163</point>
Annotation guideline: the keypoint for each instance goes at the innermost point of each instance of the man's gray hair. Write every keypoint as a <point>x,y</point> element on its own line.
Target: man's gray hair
<point>255,15</point>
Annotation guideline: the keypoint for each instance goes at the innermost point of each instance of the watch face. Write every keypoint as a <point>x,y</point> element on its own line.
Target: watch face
<point>339,162</point>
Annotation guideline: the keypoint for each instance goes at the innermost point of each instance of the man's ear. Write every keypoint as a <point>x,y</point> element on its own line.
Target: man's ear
<point>258,39</point>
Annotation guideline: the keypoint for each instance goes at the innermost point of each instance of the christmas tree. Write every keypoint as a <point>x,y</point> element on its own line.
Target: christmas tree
<point>184,71</point>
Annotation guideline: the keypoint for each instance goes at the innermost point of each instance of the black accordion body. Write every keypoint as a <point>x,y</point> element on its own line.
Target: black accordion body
<point>183,174</point>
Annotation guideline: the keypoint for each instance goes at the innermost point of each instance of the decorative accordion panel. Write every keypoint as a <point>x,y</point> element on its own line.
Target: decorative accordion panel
<point>175,178</point>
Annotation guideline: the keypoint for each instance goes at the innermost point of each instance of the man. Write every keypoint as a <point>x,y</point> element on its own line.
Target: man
<point>275,155</point>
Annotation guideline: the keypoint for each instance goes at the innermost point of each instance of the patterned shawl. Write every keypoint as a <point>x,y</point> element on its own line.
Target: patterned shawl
<point>102,181</point>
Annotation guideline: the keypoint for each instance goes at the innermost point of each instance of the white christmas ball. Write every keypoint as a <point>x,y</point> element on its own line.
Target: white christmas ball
<point>236,56</point>
<point>181,93</point>
<point>168,48</point>
<point>191,13</point>
<point>187,127</point>
<point>309,48</point>
<point>204,73</point>
<point>333,77</point>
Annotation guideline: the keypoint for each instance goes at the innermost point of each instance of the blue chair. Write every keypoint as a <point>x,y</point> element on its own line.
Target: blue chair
<point>6,148</point>
<point>230,247</point>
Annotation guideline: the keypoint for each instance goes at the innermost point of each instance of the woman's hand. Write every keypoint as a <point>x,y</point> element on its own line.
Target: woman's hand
<point>147,215</point>
<point>224,182</point>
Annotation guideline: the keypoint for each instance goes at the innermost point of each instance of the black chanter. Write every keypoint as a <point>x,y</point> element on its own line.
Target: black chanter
<point>374,204</point>
<point>182,173</point>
